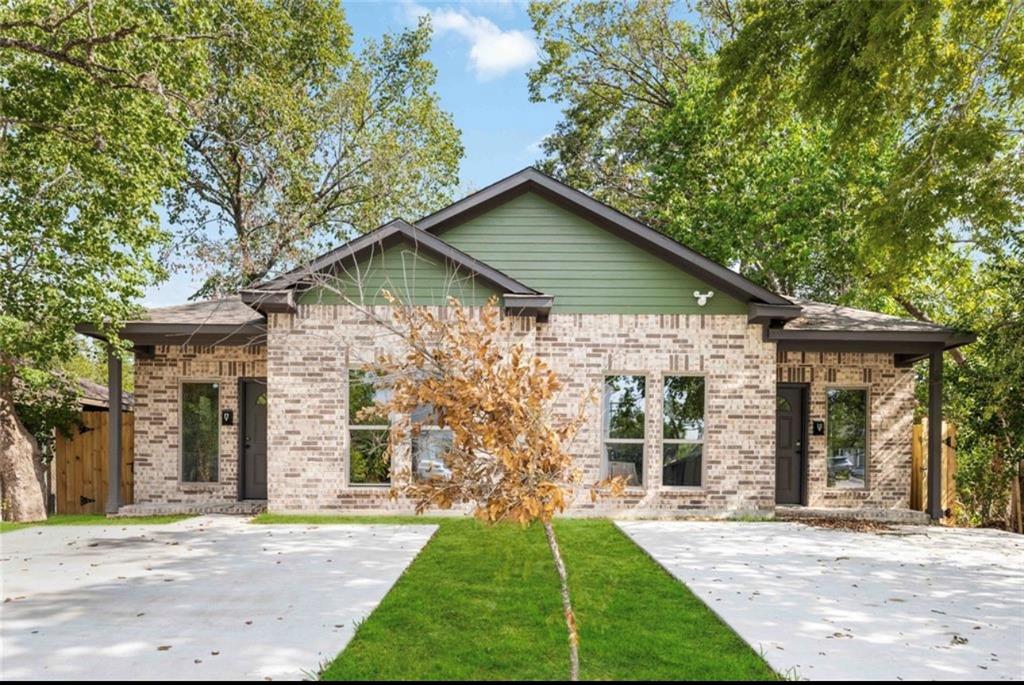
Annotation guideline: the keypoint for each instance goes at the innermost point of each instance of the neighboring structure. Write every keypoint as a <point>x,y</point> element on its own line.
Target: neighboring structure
<point>95,397</point>
<point>720,397</point>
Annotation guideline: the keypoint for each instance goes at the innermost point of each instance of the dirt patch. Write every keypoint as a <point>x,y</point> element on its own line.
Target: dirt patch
<point>851,525</point>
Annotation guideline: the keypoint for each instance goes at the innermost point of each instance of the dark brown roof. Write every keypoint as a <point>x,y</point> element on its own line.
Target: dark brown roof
<point>96,395</point>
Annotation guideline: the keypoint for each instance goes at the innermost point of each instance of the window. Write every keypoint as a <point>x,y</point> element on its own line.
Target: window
<point>624,432</point>
<point>368,454</point>
<point>847,437</point>
<point>200,432</point>
<point>682,430</point>
<point>429,447</point>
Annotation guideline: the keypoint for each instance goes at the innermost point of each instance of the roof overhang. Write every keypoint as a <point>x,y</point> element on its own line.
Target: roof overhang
<point>270,301</point>
<point>144,334</point>
<point>645,237</point>
<point>537,306</point>
<point>908,346</point>
<point>758,312</point>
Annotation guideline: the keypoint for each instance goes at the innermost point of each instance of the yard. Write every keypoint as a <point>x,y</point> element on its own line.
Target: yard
<point>483,603</point>
<point>92,520</point>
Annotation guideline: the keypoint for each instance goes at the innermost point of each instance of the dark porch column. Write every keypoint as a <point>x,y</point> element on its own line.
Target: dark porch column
<point>935,434</point>
<point>113,432</point>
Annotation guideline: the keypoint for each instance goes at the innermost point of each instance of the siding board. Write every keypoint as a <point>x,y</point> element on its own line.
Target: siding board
<point>588,269</point>
<point>415,277</point>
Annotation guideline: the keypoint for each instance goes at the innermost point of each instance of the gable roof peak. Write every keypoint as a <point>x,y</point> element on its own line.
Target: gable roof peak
<point>605,216</point>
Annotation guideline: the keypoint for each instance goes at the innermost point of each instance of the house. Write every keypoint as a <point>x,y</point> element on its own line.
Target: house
<point>93,396</point>
<point>720,397</point>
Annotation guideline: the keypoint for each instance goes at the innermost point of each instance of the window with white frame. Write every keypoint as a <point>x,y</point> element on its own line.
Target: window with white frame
<point>369,459</point>
<point>682,446</point>
<point>624,427</point>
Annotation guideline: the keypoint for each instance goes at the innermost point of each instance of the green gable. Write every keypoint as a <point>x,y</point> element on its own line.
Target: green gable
<point>587,268</point>
<point>414,276</point>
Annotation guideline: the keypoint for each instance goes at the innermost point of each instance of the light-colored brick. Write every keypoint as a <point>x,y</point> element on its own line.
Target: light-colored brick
<point>308,355</point>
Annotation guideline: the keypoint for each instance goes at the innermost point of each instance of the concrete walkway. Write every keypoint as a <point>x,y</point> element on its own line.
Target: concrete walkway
<point>206,598</point>
<point>920,603</point>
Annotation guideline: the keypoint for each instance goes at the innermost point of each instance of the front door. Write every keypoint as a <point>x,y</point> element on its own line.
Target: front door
<point>789,448</point>
<point>254,439</point>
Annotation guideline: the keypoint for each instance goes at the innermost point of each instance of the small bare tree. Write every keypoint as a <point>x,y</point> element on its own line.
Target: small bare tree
<point>508,457</point>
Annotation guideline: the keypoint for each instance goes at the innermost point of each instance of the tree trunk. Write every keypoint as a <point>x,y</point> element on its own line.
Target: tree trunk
<point>570,617</point>
<point>21,467</point>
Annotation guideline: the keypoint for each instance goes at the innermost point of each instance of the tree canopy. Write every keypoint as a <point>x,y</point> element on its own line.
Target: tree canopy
<point>301,141</point>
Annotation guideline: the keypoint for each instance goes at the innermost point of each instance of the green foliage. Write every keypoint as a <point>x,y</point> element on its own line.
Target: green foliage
<point>47,403</point>
<point>482,602</point>
<point>93,111</point>
<point>300,141</point>
<point>949,76</point>
<point>645,130</point>
<point>985,393</point>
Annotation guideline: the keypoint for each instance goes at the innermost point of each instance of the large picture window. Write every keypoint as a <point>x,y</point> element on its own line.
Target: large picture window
<point>368,455</point>
<point>683,430</point>
<point>624,426</point>
<point>847,452</point>
<point>200,432</point>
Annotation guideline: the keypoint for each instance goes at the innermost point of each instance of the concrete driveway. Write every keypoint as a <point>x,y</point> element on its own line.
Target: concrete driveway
<point>919,603</point>
<point>205,598</point>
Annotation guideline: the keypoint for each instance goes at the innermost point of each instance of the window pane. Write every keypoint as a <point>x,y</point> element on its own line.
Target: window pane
<point>684,408</point>
<point>200,432</point>
<point>626,460</point>
<point>681,464</point>
<point>847,437</point>
<point>428,451</point>
<point>363,394</point>
<point>624,406</point>
<point>369,462</point>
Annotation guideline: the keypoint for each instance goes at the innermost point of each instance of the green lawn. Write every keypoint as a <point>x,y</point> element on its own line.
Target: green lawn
<point>92,520</point>
<point>483,603</point>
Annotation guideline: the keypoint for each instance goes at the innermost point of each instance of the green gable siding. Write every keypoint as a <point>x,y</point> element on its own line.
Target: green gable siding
<point>414,277</point>
<point>586,268</point>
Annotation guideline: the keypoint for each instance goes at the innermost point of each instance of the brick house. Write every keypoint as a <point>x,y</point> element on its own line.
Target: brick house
<point>719,396</point>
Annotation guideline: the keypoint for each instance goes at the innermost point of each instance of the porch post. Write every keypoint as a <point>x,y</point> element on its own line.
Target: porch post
<point>935,435</point>
<point>113,432</point>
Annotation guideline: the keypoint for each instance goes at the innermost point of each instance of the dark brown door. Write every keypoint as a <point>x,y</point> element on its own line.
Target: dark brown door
<point>254,440</point>
<point>789,436</point>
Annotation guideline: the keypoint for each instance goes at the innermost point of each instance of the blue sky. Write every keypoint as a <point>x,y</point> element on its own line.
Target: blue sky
<point>482,51</point>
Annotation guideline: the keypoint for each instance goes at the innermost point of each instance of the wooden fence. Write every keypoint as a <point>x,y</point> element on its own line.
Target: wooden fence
<point>919,467</point>
<point>80,464</point>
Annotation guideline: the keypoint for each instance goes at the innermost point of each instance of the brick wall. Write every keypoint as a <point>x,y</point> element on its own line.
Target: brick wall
<point>890,419</point>
<point>157,419</point>
<point>308,356</point>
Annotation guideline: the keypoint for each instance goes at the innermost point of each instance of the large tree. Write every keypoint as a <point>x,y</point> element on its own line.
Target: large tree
<point>300,141</point>
<point>949,76</point>
<point>645,129</point>
<point>94,108</point>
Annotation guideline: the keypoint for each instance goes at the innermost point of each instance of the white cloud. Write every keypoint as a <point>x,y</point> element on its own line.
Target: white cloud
<point>492,52</point>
